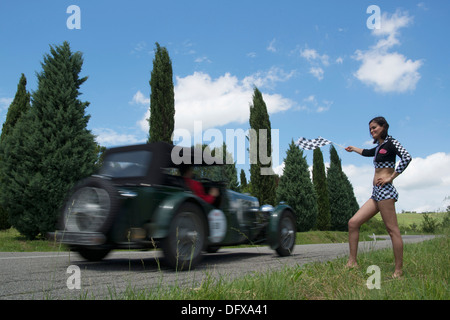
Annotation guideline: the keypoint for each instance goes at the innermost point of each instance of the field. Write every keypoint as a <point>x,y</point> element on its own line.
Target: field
<point>426,277</point>
<point>11,240</point>
<point>407,219</point>
<point>426,272</point>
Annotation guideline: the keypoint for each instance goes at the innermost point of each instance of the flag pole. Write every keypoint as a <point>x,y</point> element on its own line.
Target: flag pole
<point>339,145</point>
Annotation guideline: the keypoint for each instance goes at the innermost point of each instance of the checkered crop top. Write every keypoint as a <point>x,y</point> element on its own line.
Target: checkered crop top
<point>384,155</point>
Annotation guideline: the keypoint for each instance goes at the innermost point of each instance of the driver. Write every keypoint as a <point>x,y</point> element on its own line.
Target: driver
<point>187,172</point>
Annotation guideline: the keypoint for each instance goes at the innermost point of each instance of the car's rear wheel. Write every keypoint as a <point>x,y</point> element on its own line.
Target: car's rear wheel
<point>286,234</point>
<point>186,239</point>
<point>91,207</point>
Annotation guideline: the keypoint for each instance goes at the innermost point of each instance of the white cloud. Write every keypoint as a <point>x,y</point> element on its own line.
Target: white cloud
<point>217,102</point>
<point>313,55</point>
<point>317,62</point>
<point>221,101</point>
<point>109,137</point>
<point>271,46</point>
<point>423,186</point>
<point>141,48</point>
<point>139,98</point>
<point>388,71</point>
<point>202,59</point>
<point>267,79</point>
<point>312,104</point>
<point>317,72</point>
<point>279,169</point>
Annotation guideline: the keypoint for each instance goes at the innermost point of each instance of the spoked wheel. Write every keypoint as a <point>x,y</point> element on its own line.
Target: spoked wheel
<point>286,234</point>
<point>91,208</point>
<point>186,239</point>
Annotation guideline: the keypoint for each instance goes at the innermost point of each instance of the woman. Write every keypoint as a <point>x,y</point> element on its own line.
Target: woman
<point>384,194</point>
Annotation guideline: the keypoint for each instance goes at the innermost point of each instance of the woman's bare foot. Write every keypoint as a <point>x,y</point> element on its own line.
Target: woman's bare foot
<point>397,274</point>
<point>351,264</point>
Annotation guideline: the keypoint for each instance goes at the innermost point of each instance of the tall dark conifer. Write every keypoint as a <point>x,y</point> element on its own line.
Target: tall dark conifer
<point>321,187</point>
<point>342,199</point>
<point>296,188</point>
<point>230,169</point>
<point>19,106</point>
<point>50,147</point>
<point>162,98</point>
<point>262,184</point>
<point>243,182</point>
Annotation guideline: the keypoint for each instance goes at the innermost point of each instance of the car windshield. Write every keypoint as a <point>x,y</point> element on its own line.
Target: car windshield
<point>126,164</point>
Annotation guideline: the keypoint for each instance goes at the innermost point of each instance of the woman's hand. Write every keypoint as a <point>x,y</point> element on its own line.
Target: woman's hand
<point>350,149</point>
<point>381,181</point>
<point>354,149</point>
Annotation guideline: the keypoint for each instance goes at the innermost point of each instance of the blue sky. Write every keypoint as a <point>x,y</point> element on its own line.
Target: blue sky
<point>322,72</point>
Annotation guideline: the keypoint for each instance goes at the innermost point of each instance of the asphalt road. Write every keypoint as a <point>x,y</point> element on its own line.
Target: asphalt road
<point>44,275</point>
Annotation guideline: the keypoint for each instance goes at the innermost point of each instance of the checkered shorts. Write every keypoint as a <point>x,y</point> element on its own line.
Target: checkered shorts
<point>385,192</point>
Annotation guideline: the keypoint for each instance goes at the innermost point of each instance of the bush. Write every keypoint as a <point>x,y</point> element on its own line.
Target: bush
<point>428,224</point>
<point>4,222</point>
<point>374,226</point>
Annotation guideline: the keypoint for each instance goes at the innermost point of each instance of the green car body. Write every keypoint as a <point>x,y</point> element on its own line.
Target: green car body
<point>137,200</point>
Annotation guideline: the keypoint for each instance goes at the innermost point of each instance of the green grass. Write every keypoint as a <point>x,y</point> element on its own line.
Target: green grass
<point>12,241</point>
<point>426,276</point>
<point>405,220</point>
<point>313,237</point>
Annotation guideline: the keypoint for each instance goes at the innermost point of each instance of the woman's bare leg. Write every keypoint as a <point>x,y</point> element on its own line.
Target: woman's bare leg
<point>387,210</point>
<point>367,211</point>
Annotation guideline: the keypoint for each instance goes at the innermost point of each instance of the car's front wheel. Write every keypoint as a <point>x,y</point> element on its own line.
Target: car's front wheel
<point>186,239</point>
<point>286,234</point>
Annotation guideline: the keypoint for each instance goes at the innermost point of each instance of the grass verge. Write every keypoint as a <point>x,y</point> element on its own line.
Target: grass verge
<point>12,241</point>
<point>426,276</point>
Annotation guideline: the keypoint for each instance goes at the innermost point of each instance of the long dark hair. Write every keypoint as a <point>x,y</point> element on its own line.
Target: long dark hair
<point>381,121</point>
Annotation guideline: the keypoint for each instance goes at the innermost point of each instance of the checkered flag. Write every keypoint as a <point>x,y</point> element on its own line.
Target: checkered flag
<point>308,144</point>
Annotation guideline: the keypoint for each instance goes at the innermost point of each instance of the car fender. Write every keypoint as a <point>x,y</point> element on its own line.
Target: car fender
<point>274,221</point>
<point>159,227</point>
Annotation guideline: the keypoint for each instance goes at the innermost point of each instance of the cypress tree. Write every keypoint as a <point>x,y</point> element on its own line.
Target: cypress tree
<point>262,185</point>
<point>243,182</point>
<point>50,147</point>
<point>296,188</point>
<point>343,203</point>
<point>19,106</point>
<point>321,187</point>
<point>162,97</point>
<point>230,170</point>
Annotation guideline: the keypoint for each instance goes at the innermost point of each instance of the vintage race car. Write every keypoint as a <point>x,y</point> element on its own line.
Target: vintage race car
<point>139,200</point>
